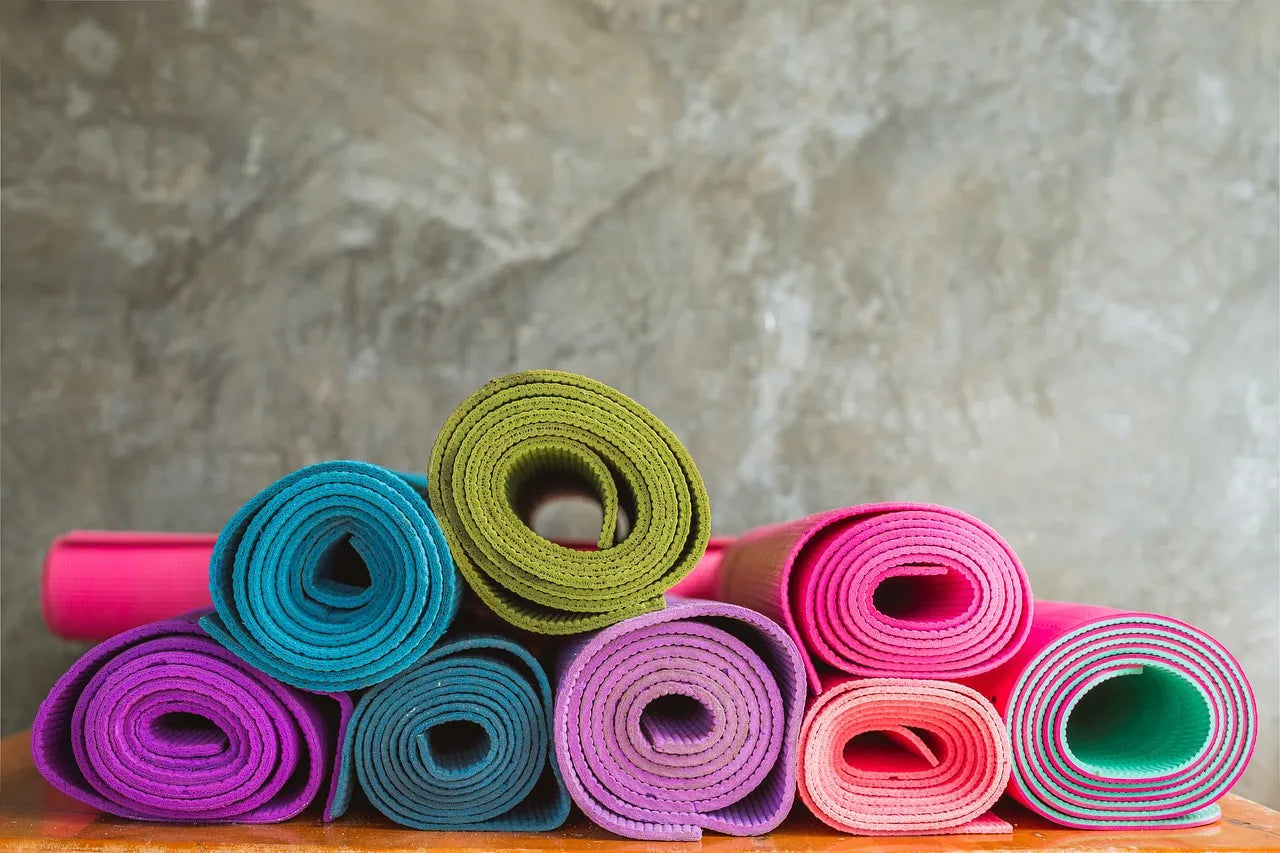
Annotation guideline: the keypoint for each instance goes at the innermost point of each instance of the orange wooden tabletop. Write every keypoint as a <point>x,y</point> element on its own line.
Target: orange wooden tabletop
<point>34,816</point>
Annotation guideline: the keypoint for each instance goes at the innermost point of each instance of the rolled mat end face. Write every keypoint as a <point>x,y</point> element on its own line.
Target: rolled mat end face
<point>1123,720</point>
<point>460,741</point>
<point>684,720</point>
<point>528,437</point>
<point>333,578</point>
<point>889,756</point>
<point>161,723</point>
<point>885,590</point>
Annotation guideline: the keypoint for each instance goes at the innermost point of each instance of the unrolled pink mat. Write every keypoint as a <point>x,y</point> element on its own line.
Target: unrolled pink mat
<point>1122,720</point>
<point>885,590</point>
<point>896,756</point>
<point>98,583</point>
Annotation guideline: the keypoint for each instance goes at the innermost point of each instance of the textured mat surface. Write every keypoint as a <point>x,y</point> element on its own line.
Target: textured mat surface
<point>893,756</point>
<point>462,740</point>
<point>162,723</point>
<point>1122,720</point>
<point>894,589</point>
<point>97,583</point>
<point>530,437</point>
<point>682,720</point>
<point>333,578</point>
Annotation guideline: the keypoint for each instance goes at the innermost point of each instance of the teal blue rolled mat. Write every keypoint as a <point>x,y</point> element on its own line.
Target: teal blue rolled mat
<point>461,740</point>
<point>334,578</point>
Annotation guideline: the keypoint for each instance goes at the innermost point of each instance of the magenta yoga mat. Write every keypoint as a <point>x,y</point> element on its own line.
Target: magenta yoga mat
<point>161,723</point>
<point>885,590</point>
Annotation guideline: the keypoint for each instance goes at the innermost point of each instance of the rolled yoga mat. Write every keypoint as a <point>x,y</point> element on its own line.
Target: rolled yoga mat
<point>885,590</point>
<point>1122,720</point>
<point>462,740</point>
<point>681,720</point>
<point>335,577</point>
<point>97,583</point>
<point>530,437</point>
<point>895,756</point>
<point>162,723</point>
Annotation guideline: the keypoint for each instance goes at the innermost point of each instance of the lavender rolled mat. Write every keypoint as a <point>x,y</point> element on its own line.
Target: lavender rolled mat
<point>682,720</point>
<point>161,723</point>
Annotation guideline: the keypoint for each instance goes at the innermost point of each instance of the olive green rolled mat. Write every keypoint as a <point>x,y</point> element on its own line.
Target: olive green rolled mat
<point>530,437</point>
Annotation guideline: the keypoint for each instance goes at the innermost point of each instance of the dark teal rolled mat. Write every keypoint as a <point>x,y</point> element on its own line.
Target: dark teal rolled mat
<point>461,740</point>
<point>333,578</point>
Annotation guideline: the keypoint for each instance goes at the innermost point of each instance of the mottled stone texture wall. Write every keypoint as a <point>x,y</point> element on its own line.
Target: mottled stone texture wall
<point>1016,257</point>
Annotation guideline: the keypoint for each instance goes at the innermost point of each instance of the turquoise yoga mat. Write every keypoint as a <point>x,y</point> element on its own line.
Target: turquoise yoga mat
<point>333,578</point>
<point>462,740</point>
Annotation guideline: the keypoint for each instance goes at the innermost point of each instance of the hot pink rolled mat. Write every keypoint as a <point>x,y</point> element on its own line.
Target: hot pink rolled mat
<point>161,723</point>
<point>885,590</point>
<point>1122,720</point>
<point>681,720</point>
<point>897,756</point>
<point>97,583</point>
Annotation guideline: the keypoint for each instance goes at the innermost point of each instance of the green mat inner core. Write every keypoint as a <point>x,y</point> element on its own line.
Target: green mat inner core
<point>1151,721</point>
<point>574,517</point>
<point>456,745</point>
<point>544,476</point>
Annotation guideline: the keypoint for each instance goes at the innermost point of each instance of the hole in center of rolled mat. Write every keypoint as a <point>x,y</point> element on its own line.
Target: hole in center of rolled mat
<point>573,518</point>
<point>180,728</point>
<point>457,744</point>
<point>342,565</point>
<point>676,719</point>
<point>923,598</point>
<point>1147,722</point>
<point>882,751</point>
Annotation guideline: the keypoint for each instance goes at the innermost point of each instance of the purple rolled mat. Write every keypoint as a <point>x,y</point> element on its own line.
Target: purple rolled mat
<point>161,723</point>
<point>682,720</point>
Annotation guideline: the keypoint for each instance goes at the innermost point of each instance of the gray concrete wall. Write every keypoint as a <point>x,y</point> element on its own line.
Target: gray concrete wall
<point>1016,257</point>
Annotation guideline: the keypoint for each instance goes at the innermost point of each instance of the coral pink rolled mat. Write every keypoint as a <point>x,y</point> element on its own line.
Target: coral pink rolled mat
<point>97,583</point>
<point>1122,720</point>
<point>885,590</point>
<point>900,756</point>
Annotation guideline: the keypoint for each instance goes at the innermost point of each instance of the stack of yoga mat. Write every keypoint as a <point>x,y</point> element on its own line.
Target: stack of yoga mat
<point>415,640</point>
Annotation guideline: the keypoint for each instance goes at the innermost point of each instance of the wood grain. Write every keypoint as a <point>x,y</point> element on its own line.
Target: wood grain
<point>34,816</point>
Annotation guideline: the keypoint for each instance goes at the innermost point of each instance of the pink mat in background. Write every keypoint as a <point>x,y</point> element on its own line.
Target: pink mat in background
<point>885,590</point>
<point>894,756</point>
<point>99,583</point>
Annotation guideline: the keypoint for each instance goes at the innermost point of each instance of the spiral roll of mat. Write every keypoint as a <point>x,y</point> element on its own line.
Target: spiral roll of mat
<point>528,437</point>
<point>462,740</point>
<point>1122,720</point>
<point>162,723</point>
<point>885,590</point>
<point>894,756</point>
<point>682,720</point>
<point>335,577</point>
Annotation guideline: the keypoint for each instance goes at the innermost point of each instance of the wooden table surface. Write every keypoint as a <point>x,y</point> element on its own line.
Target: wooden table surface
<point>34,816</point>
